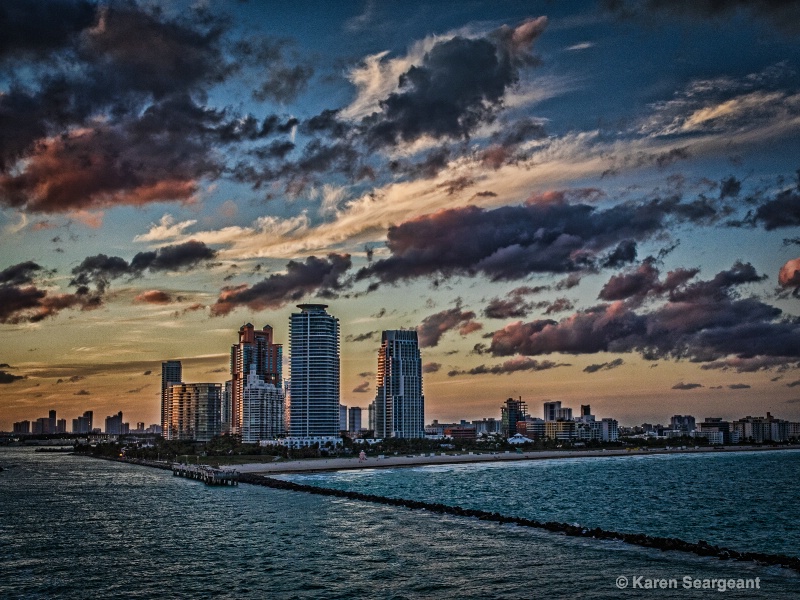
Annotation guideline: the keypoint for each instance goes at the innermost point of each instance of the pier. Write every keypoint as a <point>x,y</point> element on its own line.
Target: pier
<point>207,474</point>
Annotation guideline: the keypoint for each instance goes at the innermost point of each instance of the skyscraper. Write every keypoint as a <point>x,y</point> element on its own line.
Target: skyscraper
<point>399,403</point>
<point>171,372</point>
<point>512,413</point>
<point>263,407</point>
<point>255,348</point>
<point>314,363</point>
<point>194,411</point>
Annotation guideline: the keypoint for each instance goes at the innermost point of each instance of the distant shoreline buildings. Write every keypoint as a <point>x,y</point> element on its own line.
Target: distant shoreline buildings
<point>257,405</point>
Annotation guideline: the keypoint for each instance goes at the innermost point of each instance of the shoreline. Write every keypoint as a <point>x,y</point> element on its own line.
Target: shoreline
<point>352,464</point>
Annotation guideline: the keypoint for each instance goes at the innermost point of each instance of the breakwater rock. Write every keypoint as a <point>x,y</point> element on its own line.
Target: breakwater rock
<point>701,548</point>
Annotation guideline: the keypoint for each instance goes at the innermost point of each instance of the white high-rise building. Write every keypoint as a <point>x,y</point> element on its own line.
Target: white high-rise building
<point>314,369</point>
<point>263,407</point>
<point>399,403</point>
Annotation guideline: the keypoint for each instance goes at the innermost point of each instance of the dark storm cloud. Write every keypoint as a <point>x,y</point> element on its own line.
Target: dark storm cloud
<point>459,85</point>
<point>101,269</point>
<point>705,321</point>
<point>783,211</point>
<point>367,374</point>
<point>361,388</point>
<point>519,363</point>
<point>37,28</point>
<point>6,377</point>
<point>20,273</point>
<point>738,386</point>
<point>316,275</point>
<point>783,14</point>
<point>642,281</point>
<point>513,242</point>
<point>82,393</point>
<point>122,58</point>
<point>606,366</point>
<point>431,367</point>
<point>279,79</point>
<point>433,327</point>
<point>729,188</point>
<point>21,301</point>
<point>686,386</point>
<point>624,253</point>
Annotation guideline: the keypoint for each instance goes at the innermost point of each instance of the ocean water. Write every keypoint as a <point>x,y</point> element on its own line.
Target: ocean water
<point>72,527</point>
<point>746,501</point>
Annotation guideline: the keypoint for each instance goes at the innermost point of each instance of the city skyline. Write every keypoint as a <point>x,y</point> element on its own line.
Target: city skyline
<point>588,202</point>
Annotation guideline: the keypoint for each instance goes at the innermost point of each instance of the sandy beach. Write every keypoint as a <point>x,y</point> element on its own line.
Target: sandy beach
<point>391,461</point>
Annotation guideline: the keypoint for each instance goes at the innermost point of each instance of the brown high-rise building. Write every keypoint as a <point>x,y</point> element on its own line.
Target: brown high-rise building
<point>255,348</point>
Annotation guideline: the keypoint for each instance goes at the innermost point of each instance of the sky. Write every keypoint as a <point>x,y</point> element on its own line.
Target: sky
<point>595,202</point>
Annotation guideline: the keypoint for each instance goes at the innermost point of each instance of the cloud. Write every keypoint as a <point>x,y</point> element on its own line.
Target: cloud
<point>361,388</point>
<point>782,211</point>
<point>101,269</point>
<point>433,327</point>
<point>739,386</point>
<point>316,275</point>
<point>514,304</point>
<point>363,337</point>
<point>752,364</point>
<point>519,363</point>
<point>153,297</point>
<point>82,393</point>
<point>644,280</point>
<point>6,377</point>
<point>686,386</point>
<point>703,321</point>
<point>606,366</point>
<point>21,301</point>
<point>789,275</point>
<point>367,374</point>
<point>119,60</point>
<point>91,168</point>
<point>446,88</point>
<point>165,229</point>
<point>511,242</point>
<point>148,372</point>
<point>793,383</point>
<point>20,273</point>
<point>431,367</point>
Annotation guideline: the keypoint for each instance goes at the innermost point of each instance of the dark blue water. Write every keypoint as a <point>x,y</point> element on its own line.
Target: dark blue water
<point>79,528</point>
<point>747,501</point>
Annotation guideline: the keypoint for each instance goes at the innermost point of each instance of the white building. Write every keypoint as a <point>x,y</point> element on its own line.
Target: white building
<point>263,407</point>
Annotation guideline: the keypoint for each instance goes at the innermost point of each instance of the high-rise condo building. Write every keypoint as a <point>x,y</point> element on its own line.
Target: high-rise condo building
<point>171,372</point>
<point>194,411</point>
<point>263,407</point>
<point>399,403</point>
<point>512,413</point>
<point>354,420</point>
<point>255,350</point>
<point>83,424</point>
<point>314,364</point>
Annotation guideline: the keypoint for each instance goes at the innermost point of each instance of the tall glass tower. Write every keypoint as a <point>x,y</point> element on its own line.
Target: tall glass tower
<point>399,403</point>
<point>171,372</point>
<point>314,372</point>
